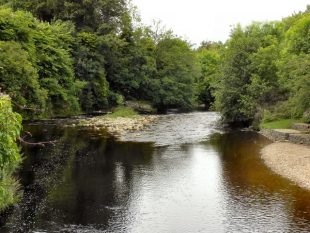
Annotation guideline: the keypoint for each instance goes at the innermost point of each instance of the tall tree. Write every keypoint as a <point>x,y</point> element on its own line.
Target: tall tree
<point>177,68</point>
<point>249,73</point>
<point>209,56</point>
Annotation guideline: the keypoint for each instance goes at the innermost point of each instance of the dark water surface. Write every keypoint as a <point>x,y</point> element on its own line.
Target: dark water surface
<point>181,175</point>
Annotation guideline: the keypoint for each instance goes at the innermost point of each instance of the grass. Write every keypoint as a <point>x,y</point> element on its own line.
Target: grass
<point>279,124</point>
<point>123,112</point>
<point>9,194</point>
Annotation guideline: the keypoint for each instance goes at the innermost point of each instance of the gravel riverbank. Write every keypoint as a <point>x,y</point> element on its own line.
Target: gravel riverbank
<point>289,160</point>
<point>119,125</point>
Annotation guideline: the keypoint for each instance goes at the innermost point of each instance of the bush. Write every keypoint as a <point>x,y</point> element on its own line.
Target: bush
<point>10,126</point>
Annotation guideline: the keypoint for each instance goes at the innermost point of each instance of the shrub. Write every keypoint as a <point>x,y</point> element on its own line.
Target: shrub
<point>10,126</point>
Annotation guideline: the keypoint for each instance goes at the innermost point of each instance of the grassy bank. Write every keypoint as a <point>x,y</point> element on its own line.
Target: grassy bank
<point>279,124</point>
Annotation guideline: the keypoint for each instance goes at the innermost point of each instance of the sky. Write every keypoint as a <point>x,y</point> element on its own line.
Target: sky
<point>199,20</point>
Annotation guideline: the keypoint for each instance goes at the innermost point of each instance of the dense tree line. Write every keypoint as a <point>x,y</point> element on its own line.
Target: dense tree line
<point>265,72</point>
<point>63,57</point>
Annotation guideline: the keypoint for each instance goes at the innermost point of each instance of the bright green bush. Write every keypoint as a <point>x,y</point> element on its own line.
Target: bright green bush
<point>10,158</point>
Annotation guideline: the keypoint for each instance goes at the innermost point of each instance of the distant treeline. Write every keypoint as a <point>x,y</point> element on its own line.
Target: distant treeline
<point>64,57</point>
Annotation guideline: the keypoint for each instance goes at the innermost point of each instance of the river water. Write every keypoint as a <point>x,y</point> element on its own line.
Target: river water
<point>183,174</point>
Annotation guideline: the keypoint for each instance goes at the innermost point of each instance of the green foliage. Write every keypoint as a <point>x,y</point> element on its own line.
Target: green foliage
<point>36,65</point>
<point>232,97</point>
<point>249,82</point>
<point>8,191</point>
<point>87,15</point>
<point>10,126</point>
<point>298,34</point>
<point>89,69</point>
<point>209,56</point>
<point>90,55</point>
<point>176,71</point>
<point>127,65</point>
<point>266,72</point>
<point>55,67</point>
<point>295,77</point>
<point>19,78</point>
<point>279,124</point>
<point>123,112</point>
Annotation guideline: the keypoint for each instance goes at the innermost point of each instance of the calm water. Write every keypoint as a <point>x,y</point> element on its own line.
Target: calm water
<point>181,175</point>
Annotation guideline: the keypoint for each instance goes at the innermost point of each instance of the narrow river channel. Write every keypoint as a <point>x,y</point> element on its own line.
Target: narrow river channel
<point>183,174</point>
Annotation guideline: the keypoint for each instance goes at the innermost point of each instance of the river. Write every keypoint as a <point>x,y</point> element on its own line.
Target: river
<point>182,174</point>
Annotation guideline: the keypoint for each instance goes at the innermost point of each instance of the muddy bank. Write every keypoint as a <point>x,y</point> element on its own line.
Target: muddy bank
<point>120,125</point>
<point>289,160</point>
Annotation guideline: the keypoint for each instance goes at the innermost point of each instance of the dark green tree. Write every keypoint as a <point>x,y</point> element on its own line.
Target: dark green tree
<point>89,67</point>
<point>209,56</point>
<point>36,65</point>
<point>249,79</point>
<point>177,68</point>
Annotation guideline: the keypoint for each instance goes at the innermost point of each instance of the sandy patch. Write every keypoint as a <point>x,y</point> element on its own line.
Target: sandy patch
<point>289,160</point>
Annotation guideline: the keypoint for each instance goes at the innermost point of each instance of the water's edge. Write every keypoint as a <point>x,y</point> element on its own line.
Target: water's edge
<point>182,174</point>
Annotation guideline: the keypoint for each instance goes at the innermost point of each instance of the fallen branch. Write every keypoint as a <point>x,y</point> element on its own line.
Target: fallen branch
<point>27,133</point>
<point>42,144</point>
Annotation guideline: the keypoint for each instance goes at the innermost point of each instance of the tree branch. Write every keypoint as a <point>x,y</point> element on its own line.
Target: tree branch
<point>42,144</point>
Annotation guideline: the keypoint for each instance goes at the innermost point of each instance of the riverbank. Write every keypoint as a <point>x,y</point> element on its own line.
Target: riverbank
<point>117,126</point>
<point>287,135</point>
<point>289,160</point>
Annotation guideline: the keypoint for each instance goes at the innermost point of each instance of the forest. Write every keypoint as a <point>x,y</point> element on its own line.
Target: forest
<point>61,58</point>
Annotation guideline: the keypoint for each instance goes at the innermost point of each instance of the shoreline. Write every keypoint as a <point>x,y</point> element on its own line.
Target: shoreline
<point>119,125</point>
<point>288,159</point>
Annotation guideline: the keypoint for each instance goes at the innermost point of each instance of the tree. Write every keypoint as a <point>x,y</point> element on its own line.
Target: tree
<point>88,15</point>
<point>209,56</point>
<point>89,68</point>
<point>36,65</point>
<point>55,67</point>
<point>293,68</point>
<point>20,79</point>
<point>177,68</point>
<point>249,73</point>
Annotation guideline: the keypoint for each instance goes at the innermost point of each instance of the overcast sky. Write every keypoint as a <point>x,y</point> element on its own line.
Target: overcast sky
<point>198,20</point>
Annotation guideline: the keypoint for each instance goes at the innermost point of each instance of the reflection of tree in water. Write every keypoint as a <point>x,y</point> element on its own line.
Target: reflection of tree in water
<point>90,183</point>
<point>40,172</point>
<point>254,189</point>
<point>100,182</point>
<point>82,180</point>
